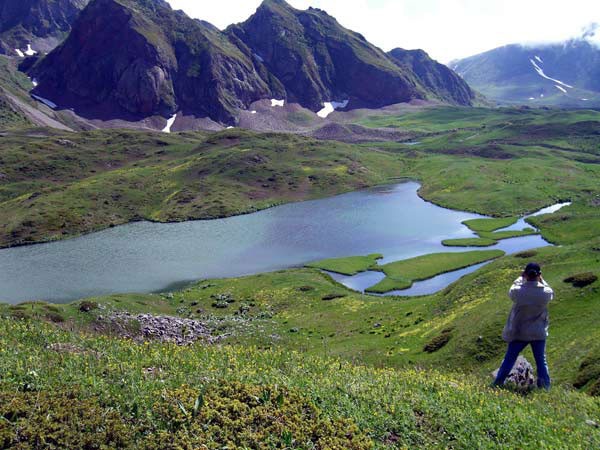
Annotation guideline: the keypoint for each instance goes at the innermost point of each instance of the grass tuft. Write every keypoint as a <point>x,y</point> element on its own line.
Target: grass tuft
<point>582,279</point>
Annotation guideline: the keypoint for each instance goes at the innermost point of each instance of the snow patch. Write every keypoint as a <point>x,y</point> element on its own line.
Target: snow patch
<point>539,59</point>
<point>229,128</point>
<point>531,98</point>
<point>170,123</point>
<point>45,101</point>
<point>275,102</point>
<point>560,88</point>
<point>252,112</point>
<point>330,107</point>
<point>541,73</point>
<point>30,51</point>
<point>585,99</point>
<point>541,95</point>
<point>20,54</point>
<point>258,57</point>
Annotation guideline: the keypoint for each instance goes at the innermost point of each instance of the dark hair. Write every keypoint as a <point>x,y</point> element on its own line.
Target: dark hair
<point>533,270</point>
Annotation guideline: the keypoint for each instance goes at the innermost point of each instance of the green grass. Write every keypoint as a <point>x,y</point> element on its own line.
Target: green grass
<point>485,229</point>
<point>11,79</point>
<point>77,183</point>
<point>499,235</point>
<point>349,265</point>
<point>469,242</point>
<point>353,356</point>
<point>402,274</point>
<point>102,179</point>
<point>487,225</point>
<point>410,407</point>
<point>435,119</point>
<point>268,307</point>
<point>572,224</point>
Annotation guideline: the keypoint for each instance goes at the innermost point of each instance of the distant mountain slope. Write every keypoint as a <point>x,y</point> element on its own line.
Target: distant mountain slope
<point>133,59</point>
<point>565,74</point>
<point>28,26</point>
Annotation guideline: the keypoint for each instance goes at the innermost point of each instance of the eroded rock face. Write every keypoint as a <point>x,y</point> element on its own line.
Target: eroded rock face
<point>87,68</point>
<point>316,60</point>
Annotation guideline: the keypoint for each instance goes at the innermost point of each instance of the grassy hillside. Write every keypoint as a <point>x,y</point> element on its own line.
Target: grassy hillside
<point>332,366</point>
<point>63,184</point>
<point>167,395</point>
<point>57,185</point>
<point>303,309</point>
<point>13,82</point>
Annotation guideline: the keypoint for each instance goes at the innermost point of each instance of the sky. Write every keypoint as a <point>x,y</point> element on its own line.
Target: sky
<point>446,29</point>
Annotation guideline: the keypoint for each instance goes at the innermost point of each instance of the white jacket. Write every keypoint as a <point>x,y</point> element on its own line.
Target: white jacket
<point>528,319</point>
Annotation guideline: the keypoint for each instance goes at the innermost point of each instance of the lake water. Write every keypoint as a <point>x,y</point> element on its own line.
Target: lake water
<point>365,280</point>
<point>148,257</point>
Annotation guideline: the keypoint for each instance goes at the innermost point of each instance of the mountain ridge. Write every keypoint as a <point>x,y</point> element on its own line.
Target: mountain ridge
<point>173,64</point>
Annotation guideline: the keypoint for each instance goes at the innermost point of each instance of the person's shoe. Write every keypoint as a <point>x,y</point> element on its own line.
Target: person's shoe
<point>543,385</point>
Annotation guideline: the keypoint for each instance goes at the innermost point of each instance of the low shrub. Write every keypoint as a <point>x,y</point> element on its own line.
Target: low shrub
<point>581,279</point>
<point>87,306</point>
<point>55,317</point>
<point>306,288</point>
<point>59,420</point>
<point>226,415</point>
<point>439,341</point>
<point>235,415</point>
<point>595,388</point>
<point>19,314</point>
<point>589,373</point>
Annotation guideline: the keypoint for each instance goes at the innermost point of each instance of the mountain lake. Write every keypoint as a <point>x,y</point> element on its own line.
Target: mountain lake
<point>152,257</point>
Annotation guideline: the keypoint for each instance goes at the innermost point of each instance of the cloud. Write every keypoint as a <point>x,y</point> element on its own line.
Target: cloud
<point>446,29</point>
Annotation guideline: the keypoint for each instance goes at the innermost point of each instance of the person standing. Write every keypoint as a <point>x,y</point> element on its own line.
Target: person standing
<point>527,324</point>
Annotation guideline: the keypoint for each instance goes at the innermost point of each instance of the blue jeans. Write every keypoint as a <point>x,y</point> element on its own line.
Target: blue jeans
<point>539,353</point>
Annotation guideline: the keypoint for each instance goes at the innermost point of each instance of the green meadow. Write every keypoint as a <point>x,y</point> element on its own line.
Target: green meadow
<point>316,364</point>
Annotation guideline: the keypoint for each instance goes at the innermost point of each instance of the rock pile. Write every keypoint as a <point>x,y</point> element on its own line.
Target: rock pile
<point>164,328</point>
